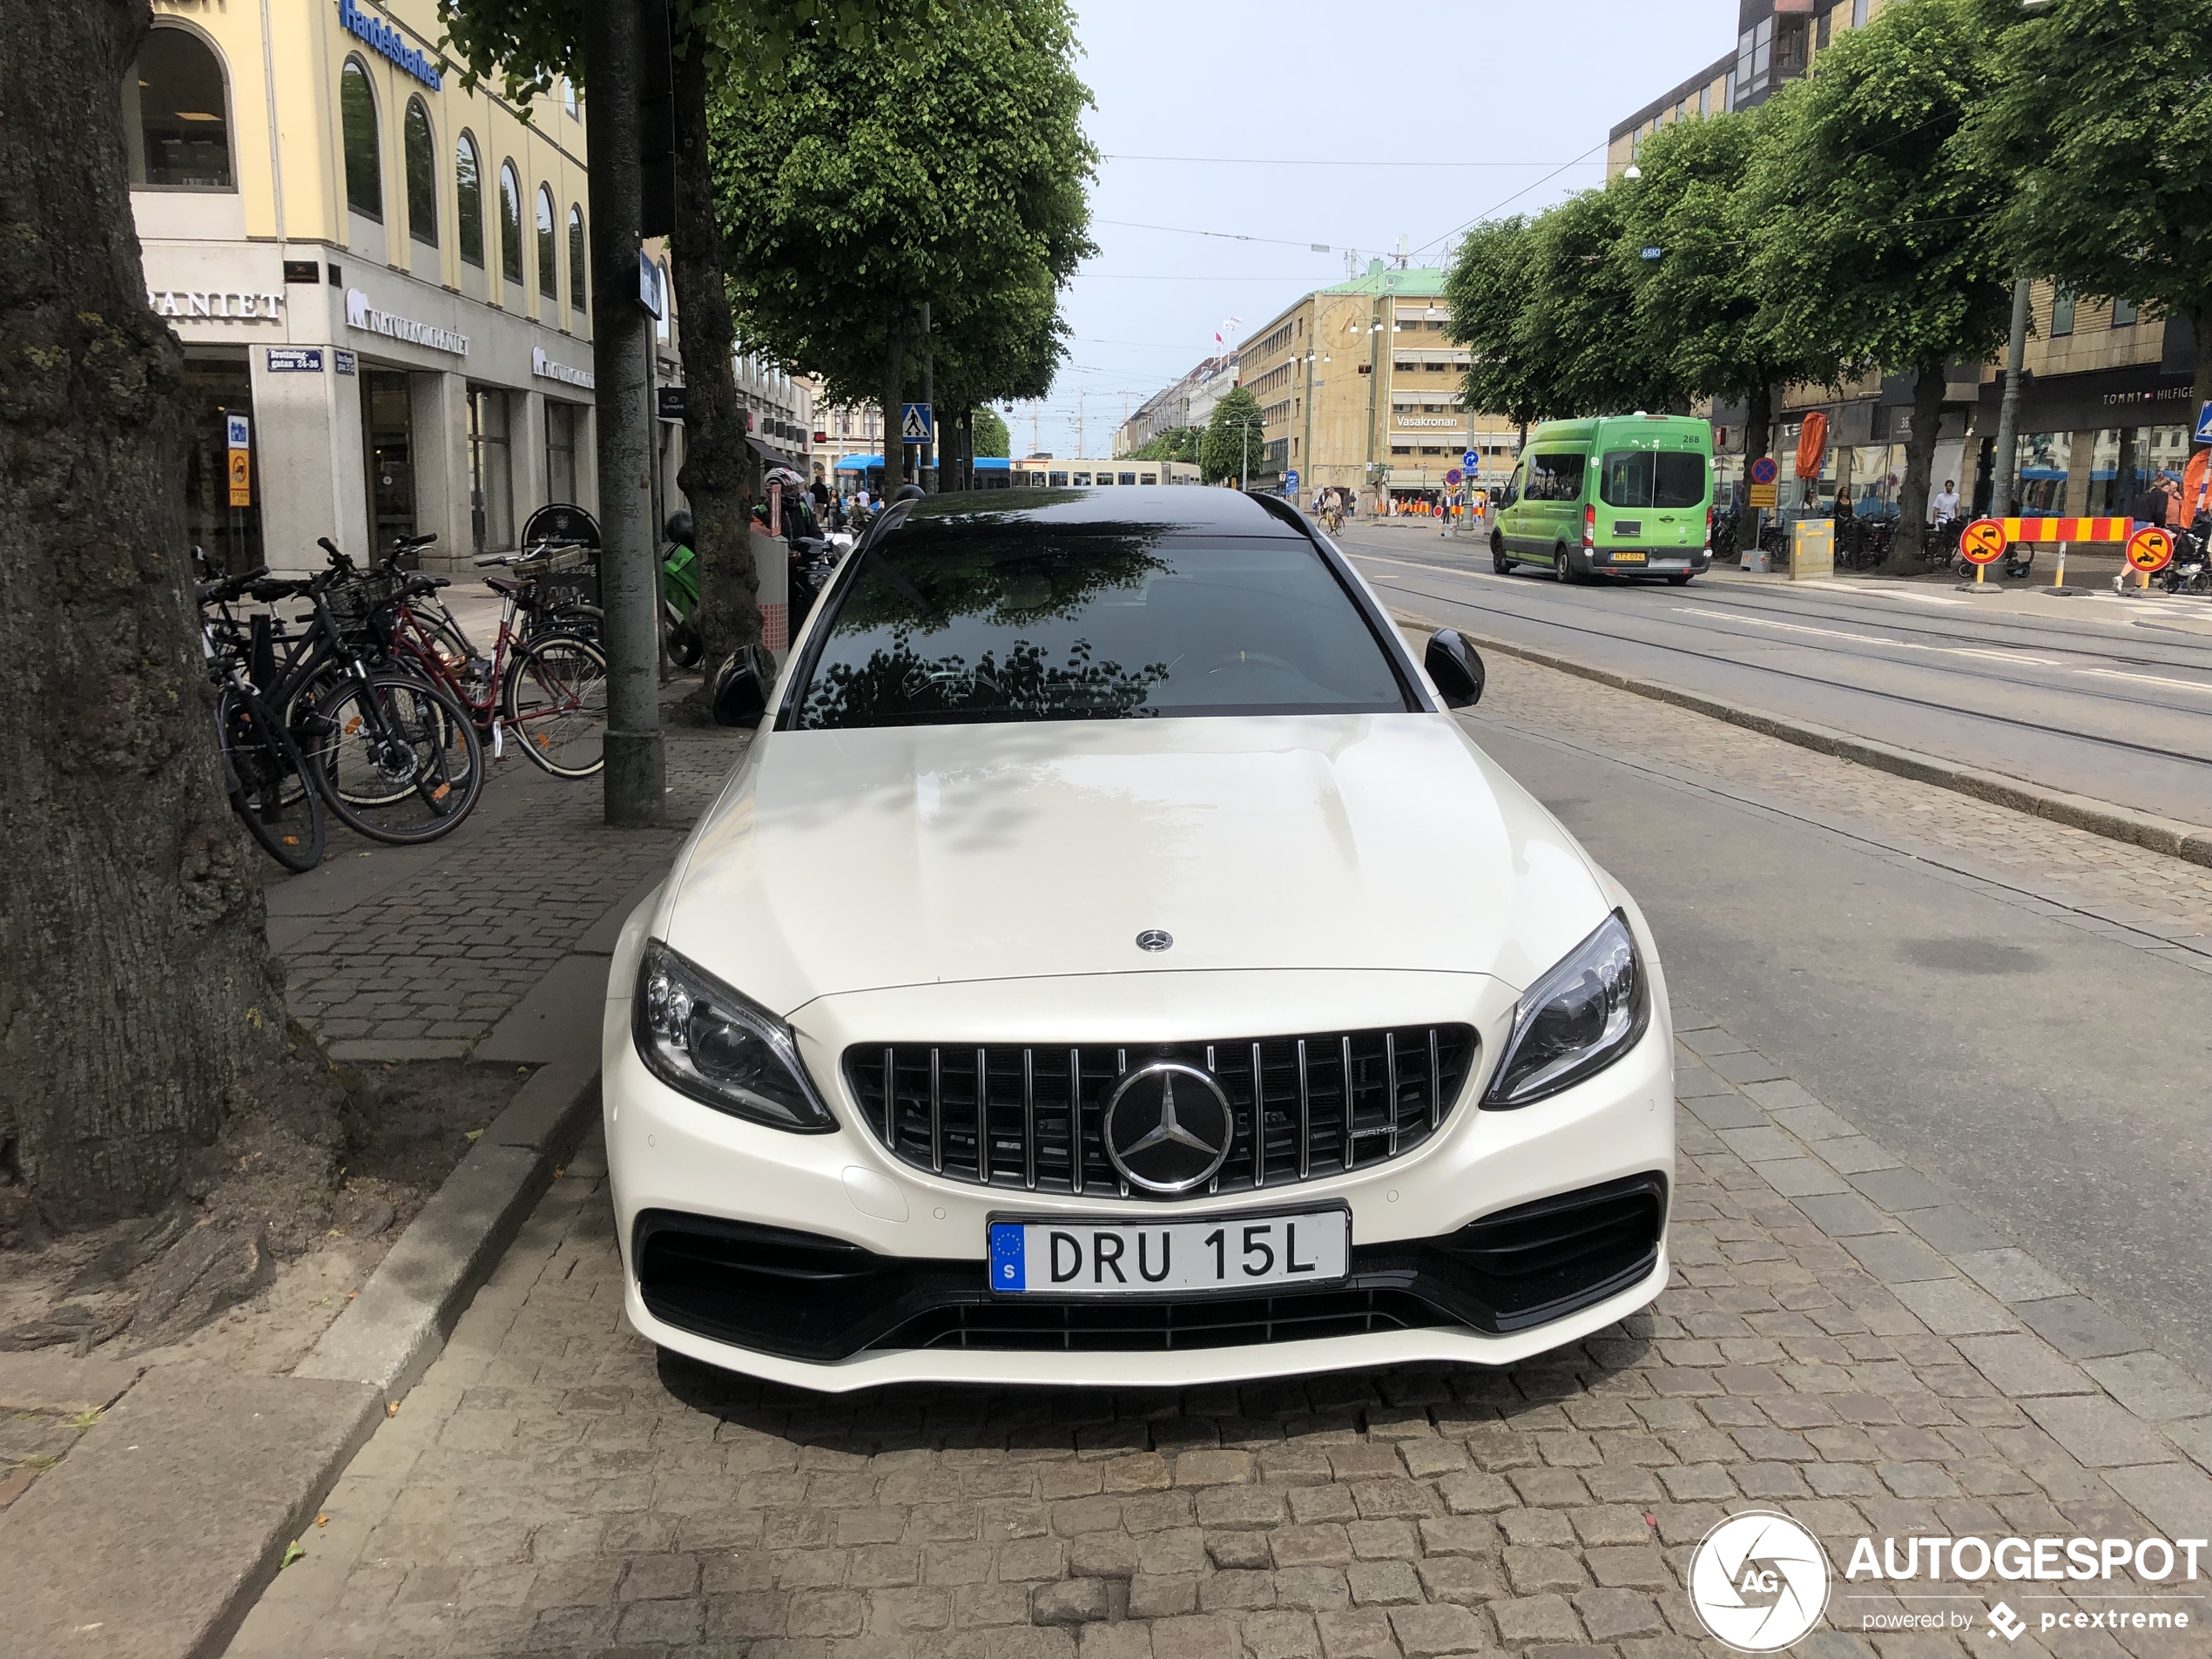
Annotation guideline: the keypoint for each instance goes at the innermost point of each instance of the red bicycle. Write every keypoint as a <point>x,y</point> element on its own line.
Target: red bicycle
<point>548,686</point>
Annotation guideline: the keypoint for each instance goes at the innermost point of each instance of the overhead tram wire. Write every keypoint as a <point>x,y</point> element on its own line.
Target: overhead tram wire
<point>1294,161</point>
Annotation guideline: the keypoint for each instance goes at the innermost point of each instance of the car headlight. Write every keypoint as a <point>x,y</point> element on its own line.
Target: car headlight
<point>1577,1020</point>
<point>705,1039</point>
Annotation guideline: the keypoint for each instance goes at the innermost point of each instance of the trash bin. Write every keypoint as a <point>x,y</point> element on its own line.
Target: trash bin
<point>1812,549</point>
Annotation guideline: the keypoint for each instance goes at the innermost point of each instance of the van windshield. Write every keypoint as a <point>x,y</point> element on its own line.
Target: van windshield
<point>1652,478</point>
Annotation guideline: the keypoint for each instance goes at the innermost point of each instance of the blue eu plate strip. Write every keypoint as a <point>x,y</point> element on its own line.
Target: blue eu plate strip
<point>1009,1272</point>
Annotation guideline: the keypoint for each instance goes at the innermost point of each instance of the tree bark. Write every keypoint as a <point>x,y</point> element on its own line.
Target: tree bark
<point>1919,460</point>
<point>717,476</point>
<point>894,393</point>
<point>630,541</point>
<point>138,986</point>
<point>1758,422</point>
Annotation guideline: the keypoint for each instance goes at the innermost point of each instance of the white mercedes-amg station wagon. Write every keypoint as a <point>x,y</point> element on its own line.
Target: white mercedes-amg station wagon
<point>1113,963</point>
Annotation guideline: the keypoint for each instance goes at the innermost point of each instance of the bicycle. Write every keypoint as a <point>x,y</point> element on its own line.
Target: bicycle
<point>550,686</point>
<point>395,755</point>
<point>263,770</point>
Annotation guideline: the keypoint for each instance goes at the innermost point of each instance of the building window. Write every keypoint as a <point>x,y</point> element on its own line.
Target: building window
<point>560,451</point>
<point>568,100</point>
<point>510,223</point>
<point>661,325</point>
<point>548,259</point>
<point>357,130</point>
<point>2124,313</point>
<point>468,199</point>
<point>578,259</point>
<point>2062,315</point>
<point>175,111</point>
<point>1858,14</point>
<point>1824,33</point>
<point>421,175</point>
<point>491,486</point>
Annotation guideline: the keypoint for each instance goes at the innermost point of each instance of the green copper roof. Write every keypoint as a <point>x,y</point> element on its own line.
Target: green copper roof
<point>1420,282</point>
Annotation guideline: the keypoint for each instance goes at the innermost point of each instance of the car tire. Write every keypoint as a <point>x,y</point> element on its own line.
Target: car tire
<point>1498,561</point>
<point>1563,570</point>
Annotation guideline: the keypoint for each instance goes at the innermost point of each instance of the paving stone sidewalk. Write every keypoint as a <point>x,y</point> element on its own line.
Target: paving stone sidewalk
<point>423,967</point>
<point>1842,1341</point>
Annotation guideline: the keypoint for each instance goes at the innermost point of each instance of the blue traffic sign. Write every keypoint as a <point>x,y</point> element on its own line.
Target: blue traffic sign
<point>2204,424</point>
<point>914,423</point>
<point>1468,460</point>
<point>1290,482</point>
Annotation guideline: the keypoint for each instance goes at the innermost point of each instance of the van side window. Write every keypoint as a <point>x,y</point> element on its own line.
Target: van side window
<point>1555,477</point>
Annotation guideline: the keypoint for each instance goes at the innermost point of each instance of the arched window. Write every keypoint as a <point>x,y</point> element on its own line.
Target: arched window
<point>548,275</point>
<point>468,199</point>
<point>178,114</point>
<point>660,281</point>
<point>357,126</point>
<point>578,260</point>
<point>421,175</point>
<point>511,222</point>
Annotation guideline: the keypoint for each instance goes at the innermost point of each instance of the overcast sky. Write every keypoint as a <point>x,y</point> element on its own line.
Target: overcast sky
<point>1521,86</point>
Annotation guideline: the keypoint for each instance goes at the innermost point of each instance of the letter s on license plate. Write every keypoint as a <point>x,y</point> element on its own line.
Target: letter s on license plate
<point>1223,1253</point>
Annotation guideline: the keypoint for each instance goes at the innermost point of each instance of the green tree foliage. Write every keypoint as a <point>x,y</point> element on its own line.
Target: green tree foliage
<point>1577,317</point>
<point>1869,228</point>
<point>2099,109</point>
<point>1488,288</point>
<point>1700,302</point>
<point>952,172</point>
<point>1234,439</point>
<point>1176,443</point>
<point>991,436</point>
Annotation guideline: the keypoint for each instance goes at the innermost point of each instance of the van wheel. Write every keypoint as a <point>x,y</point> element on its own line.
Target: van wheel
<point>1563,570</point>
<point>1498,561</point>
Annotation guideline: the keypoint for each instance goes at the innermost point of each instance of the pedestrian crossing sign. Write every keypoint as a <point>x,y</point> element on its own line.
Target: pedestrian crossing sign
<point>915,423</point>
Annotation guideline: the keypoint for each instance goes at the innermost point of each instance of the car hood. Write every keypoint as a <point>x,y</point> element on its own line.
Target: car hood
<point>847,861</point>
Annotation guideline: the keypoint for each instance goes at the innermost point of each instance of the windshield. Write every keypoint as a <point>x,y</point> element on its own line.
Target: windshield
<point>984,619</point>
<point>1652,478</point>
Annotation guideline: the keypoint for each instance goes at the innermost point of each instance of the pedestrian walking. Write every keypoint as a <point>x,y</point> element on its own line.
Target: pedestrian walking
<point>1946,504</point>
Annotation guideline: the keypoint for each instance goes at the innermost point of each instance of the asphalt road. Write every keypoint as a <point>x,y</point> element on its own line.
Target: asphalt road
<point>2054,1079</point>
<point>2105,698</point>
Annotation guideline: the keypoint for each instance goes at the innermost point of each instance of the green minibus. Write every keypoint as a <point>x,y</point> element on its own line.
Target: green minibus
<point>1619,495</point>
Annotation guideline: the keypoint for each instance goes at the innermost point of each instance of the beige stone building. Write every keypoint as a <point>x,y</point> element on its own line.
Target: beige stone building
<point>1359,384</point>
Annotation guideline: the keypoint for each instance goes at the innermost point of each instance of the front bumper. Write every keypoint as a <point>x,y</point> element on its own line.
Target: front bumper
<point>918,1240</point>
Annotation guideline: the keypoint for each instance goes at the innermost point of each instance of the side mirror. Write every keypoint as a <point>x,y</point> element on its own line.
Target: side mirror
<point>1456,667</point>
<point>741,686</point>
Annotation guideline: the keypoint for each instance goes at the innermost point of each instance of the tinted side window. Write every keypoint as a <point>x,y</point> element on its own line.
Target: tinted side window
<point>1555,477</point>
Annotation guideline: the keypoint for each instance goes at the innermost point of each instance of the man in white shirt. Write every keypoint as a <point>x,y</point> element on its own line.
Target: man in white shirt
<point>1946,505</point>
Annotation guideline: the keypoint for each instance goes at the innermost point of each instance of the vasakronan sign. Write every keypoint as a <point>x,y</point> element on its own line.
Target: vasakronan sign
<point>362,315</point>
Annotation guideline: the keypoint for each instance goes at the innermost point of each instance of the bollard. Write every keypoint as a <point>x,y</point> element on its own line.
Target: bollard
<point>2058,577</point>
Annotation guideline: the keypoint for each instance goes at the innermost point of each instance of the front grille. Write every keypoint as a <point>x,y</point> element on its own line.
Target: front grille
<point>1162,1327</point>
<point>1029,1118</point>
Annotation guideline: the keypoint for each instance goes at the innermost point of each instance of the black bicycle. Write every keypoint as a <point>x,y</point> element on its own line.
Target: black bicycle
<point>263,770</point>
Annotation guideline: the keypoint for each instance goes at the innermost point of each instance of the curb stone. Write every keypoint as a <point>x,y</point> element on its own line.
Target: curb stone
<point>2191,842</point>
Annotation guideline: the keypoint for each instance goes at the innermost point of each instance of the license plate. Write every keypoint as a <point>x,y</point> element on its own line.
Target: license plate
<point>1628,558</point>
<point>1225,1253</point>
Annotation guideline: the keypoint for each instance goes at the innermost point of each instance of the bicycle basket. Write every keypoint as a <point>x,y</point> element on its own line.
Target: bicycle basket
<point>357,604</point>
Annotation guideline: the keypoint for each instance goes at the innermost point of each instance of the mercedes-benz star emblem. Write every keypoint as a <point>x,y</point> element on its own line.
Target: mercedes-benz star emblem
<point>1168,1127</point>
<point>1153,939</point>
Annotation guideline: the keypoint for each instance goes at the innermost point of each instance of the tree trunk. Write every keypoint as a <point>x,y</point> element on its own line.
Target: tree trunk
<point>716,476</point>
<point>2201,394</point>
<point>1758,422</point>
<point>894,393</point>
<point>630,541</point>
<point>1919,460</point>
<point>139,986</point>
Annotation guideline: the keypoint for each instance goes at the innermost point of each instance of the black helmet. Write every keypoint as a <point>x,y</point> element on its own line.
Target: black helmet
<point>678,527</point>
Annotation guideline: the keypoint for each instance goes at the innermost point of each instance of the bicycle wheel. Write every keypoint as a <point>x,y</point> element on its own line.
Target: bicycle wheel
<point>395,758</point>
<point>555,702</point>
<point>267,779</point>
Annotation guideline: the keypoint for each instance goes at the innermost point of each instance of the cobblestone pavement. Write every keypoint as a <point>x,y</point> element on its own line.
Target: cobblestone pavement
<point>2163,904</point>
<point>427,965</point>
<point>1842,1341</point>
